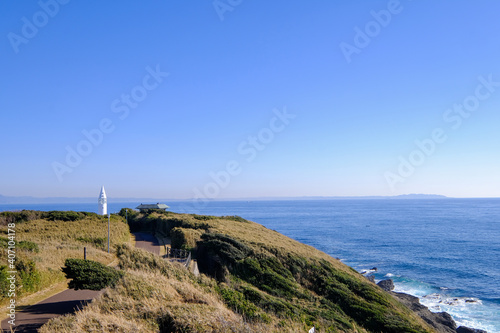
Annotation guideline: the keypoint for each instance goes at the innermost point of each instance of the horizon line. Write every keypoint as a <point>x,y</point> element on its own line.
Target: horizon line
<point>261,198</point>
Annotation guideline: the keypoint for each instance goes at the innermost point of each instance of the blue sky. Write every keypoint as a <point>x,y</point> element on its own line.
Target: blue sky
<point>233,99</point>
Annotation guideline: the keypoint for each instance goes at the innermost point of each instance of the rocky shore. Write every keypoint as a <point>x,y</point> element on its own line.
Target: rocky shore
<point>442,322</point>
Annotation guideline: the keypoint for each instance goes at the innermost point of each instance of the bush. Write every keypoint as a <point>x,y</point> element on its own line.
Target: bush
<point>88,274</point>
<point>63,215</point>
<point>4,242</point>
<point>237,301</point>
<point>235,218</point>
<point>22,245</point>
<point>18,217</point>
<point>4,283</point>
<point>129,213</point>
<point>228,248</point>
<point>30,277</point>
<point>28,246</point>
<point>97,242</point>
<point>203,217</point>
<point>89,214</point>
<point>183,238</point>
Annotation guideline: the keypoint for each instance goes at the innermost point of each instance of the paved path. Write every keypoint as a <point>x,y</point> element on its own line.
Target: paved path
<point>68,301</point>
<point>147,242</point>
<point>33,317</point>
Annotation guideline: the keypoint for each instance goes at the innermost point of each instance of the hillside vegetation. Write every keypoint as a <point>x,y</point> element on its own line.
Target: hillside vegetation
<point>45,239</point>
<point>253,280</point>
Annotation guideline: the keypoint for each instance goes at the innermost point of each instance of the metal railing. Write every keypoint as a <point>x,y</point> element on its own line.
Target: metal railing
<point>178,255</point>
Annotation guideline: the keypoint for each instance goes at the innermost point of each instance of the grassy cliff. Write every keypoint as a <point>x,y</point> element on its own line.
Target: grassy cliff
<point>253,280</point>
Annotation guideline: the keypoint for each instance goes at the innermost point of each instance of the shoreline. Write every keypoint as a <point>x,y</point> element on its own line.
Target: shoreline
<point>441,321</point>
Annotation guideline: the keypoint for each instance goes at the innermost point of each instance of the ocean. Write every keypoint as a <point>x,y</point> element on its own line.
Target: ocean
<point>445,251</point>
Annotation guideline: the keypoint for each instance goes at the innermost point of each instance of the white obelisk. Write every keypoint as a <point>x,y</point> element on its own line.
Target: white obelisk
<point>103,202</point>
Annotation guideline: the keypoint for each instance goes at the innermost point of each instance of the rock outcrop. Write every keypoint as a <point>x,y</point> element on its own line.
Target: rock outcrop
<point>387,285</point>
<point>442,322</point>
<point>463,329</point>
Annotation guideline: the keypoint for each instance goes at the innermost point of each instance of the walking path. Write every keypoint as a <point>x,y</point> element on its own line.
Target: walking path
<point>68,301</point>
<point>33,317</point>
<point>147,242</point>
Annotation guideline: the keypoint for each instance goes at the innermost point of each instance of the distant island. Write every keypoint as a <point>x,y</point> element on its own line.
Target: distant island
<point>62,200</point>
<point>420,196</point>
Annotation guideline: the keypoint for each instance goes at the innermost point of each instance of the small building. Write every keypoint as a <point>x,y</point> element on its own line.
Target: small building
<point>146,207</point>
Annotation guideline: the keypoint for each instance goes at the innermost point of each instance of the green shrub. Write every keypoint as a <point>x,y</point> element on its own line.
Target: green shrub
<point>269,275</point>
<point>129,213</point>
<point>229,249</point>
<point>4,242</point>
<point>28,246</point>
<point>22,245</point>
<point>183,238</point>
<point>237,301</point>
<point>18,217</point>
<point>98,242</point>
<point>4,283</point>
<point>30,277</point>
<point>88,274</point>
<point>235,218</point>
<point>203,217</point>
<point>63,216</point>
<point>90,214</point>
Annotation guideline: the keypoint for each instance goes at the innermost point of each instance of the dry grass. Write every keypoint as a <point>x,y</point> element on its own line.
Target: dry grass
<point>59,240</point>
<point>316,276</point>
<point>160,296</point>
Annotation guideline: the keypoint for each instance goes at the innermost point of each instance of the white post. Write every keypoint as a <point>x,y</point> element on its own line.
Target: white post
<point>108,230</point>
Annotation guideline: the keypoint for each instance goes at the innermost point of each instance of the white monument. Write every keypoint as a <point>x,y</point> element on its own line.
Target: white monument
<point>103,202</point>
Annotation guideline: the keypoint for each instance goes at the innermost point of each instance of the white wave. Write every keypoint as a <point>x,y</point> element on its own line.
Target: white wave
<point>413,288</point>
<point>367,271</point>
<point>466,311</point>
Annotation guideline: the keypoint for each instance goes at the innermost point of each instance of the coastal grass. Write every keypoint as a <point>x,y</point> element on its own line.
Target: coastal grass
<point>156,296</point>
<point>44,240</point>
<point>254,280</point>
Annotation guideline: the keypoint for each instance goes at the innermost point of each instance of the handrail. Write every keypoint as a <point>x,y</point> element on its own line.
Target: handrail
<point>179,255</point>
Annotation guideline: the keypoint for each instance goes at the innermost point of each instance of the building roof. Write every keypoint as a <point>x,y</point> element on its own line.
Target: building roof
<point>152,206</point>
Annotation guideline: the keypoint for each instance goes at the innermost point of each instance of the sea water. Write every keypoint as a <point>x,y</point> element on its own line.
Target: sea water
<point>445,251</point>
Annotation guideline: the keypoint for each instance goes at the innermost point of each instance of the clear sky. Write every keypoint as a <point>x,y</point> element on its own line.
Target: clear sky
<point>230,98</point>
